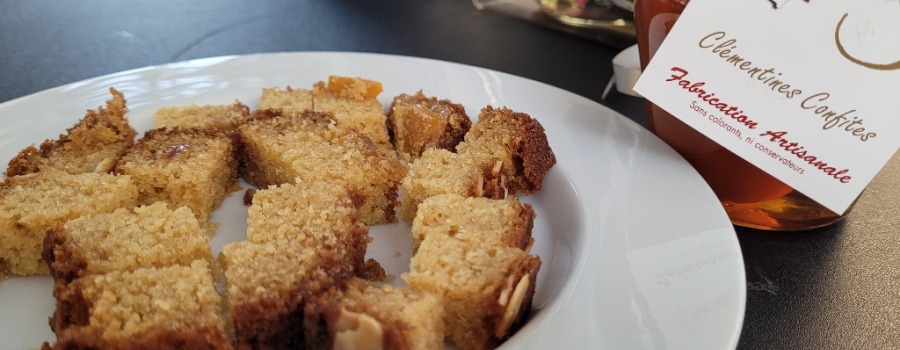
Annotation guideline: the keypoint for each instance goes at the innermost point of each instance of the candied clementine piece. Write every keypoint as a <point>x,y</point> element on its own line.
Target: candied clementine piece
<point>355,88</point>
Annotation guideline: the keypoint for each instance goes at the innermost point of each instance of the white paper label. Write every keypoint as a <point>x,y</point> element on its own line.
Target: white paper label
<point>808,91</point>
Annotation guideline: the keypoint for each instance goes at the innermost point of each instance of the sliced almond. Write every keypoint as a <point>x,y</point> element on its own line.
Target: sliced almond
<point>358,331</point>
<point>105,166</point>
<point>512,299</point>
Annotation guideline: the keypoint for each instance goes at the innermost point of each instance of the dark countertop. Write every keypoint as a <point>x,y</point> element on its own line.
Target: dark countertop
<point>831,288</point>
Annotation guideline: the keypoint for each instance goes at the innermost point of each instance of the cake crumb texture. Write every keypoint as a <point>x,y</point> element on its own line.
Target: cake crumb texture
<point>217,117</point>
<point>520,143</point>
<point>439,171</point>
<point>32,204</point>
<point>353,102</point>
<point>173,307</point>
<point>313,147</point>
<point>486,289</point>
<point>99,136</point>
<point>289,100</point>
<point>505,222</point>
<point>196,168</point>
<point>322,216</point>
<point>125,240</point>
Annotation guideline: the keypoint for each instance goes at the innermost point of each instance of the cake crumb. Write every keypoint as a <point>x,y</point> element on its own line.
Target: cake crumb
<point>372,271</point>
<point>248,196</point>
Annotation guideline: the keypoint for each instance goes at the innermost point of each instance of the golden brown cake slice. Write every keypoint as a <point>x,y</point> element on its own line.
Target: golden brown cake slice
<point>96,138</point>
<point>439,171</point>
<point>371,315</point>
<point>125,240</point>
<point>314,147</point>
<point>518,141</point>
<point>174,307</point>
<point>219,117</point>
<point>268,285</point>
<point>32,204</point>
<point>318,215</point>
<point>417,122</point>
<point>353,102</point>
<point>502,222</point>
<point>486,290</point>
<point>290,100</point>
<point>183,167</point>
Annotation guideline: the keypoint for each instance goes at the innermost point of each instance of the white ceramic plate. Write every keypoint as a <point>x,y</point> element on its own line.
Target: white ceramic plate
<point>637,253</point>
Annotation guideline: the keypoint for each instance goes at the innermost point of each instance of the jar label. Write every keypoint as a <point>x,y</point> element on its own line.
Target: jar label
<point>806,91</point>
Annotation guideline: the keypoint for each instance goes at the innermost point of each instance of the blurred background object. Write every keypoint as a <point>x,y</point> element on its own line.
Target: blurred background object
<point>586,13</point>
<point>609,22</point>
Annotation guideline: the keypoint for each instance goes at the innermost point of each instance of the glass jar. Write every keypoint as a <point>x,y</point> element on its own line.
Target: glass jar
<point>751,197</point>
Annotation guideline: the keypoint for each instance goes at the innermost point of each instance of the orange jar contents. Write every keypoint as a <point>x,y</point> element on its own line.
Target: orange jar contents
<point>751,197</point>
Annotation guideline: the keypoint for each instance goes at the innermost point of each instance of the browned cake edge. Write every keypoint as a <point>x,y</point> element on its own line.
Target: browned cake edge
<point>532,150</point>
<point>536,155</point>
<point>369,269</point>
<point>524,227</point>
<point>321,324</point>
<point>529,267</point>
<point>154,134</point>
<point>72,309</point>
<point>279,322</point>
<point>65,264</point>
<point>270,323</point>
<point>5,269</point>
<point>28,160</point>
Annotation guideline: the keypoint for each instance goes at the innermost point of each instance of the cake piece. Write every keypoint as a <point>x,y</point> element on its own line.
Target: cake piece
<point>32,204</point>
<point>174,307</point>
<point>373,315</point>
<point>502,222</point>
<point>218,117</point>
<point>439,171</point>
<point>96,138</point>
<point>268,285</point>
<point>321,216</point>
<point>289,100</point>
<point>183,167</point>
<point>416,123</point>
<point>486,290</point>
<point>313,147</point>
<point>125,240</point>
<point>353,102</point>
<point>518,141</point>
